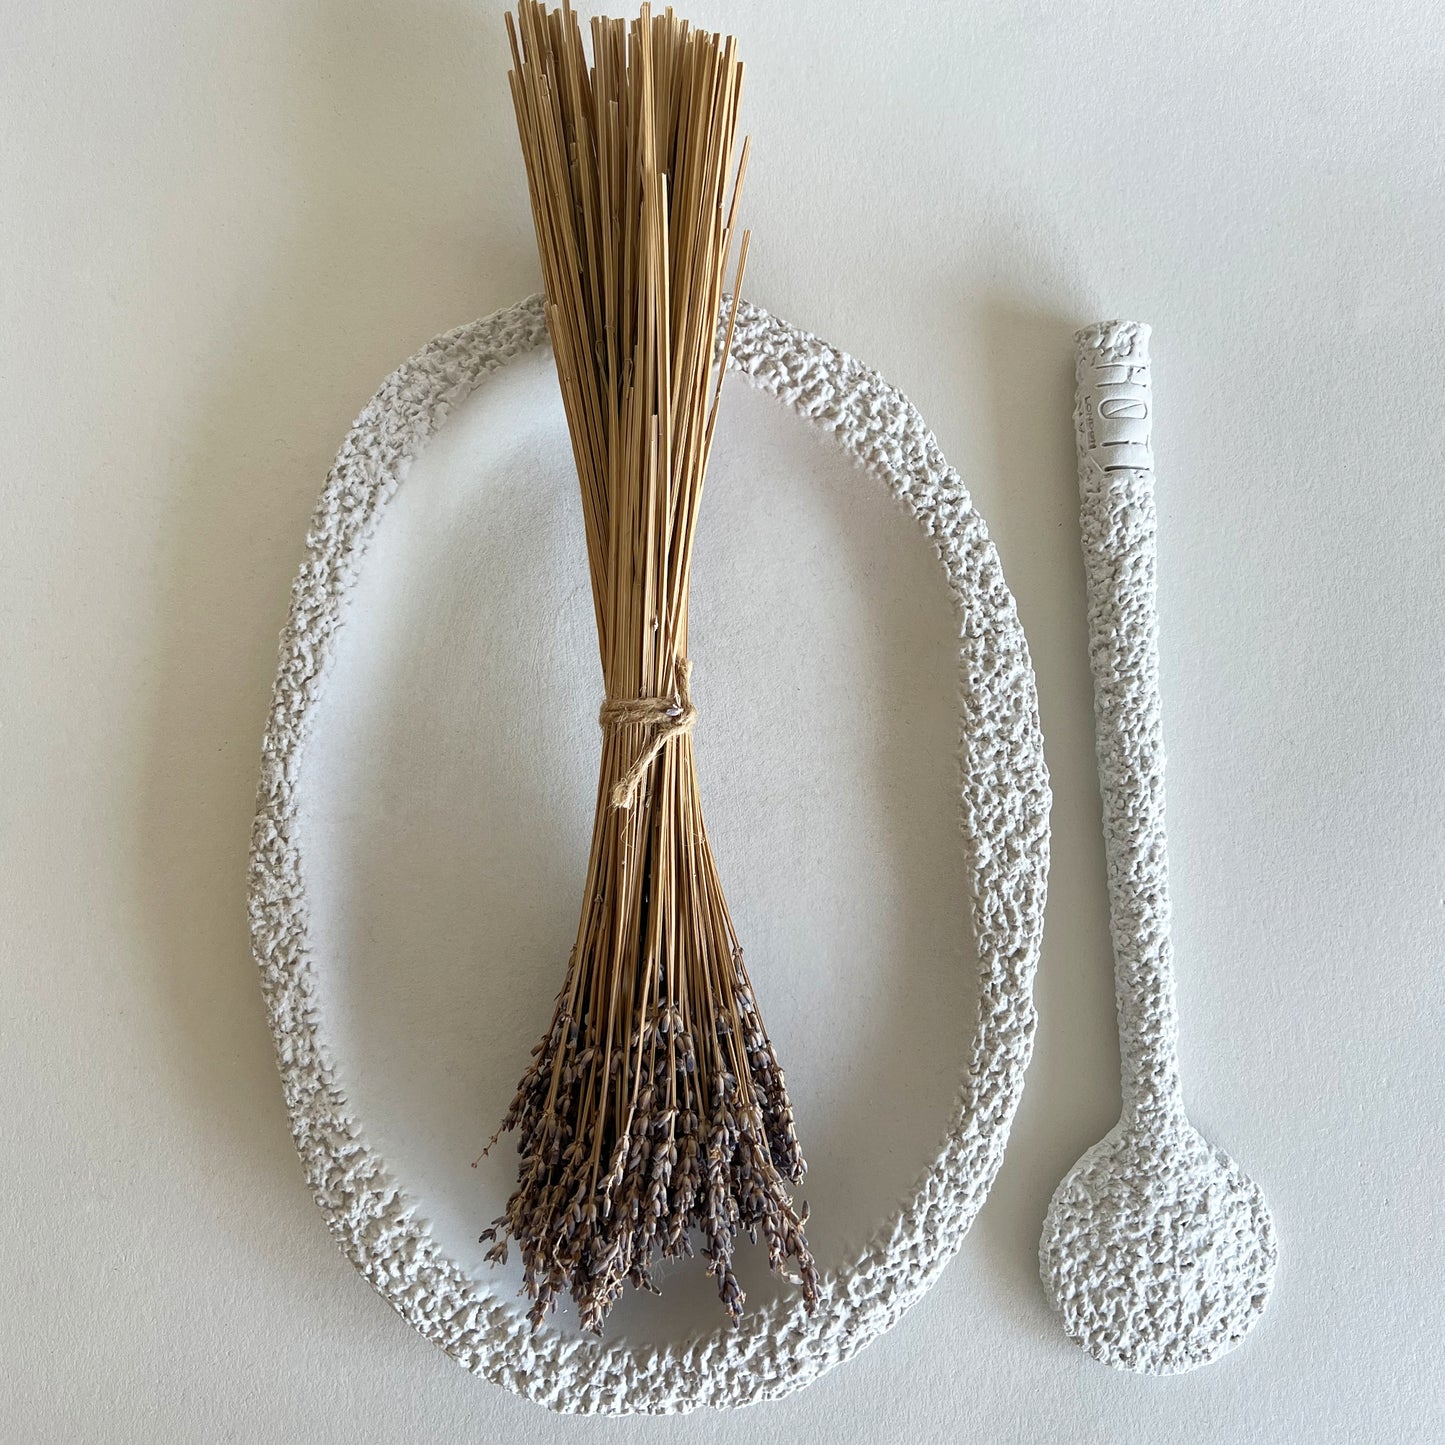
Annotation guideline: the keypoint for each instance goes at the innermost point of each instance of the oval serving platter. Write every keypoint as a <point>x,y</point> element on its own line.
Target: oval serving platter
<point>872,765</point>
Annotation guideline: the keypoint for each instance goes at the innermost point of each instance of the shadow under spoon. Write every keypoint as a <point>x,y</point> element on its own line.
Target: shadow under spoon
<point>1157,1250</point>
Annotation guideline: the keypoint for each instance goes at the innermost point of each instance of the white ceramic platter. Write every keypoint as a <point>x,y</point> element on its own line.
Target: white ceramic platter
<point>870,759</point>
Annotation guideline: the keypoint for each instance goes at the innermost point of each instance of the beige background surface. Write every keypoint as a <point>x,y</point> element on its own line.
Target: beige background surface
<point>223,224</point>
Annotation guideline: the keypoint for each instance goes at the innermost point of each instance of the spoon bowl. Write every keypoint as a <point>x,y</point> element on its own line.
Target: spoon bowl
<point>1158,1250</point>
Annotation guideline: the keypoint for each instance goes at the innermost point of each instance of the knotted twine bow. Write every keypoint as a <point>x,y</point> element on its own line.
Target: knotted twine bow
<point>669,717</point>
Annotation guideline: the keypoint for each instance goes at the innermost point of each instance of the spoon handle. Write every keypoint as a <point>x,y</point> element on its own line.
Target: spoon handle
<point>1113,420</point>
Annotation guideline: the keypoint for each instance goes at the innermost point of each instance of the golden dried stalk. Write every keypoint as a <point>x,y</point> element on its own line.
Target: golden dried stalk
<point>654,1106</point>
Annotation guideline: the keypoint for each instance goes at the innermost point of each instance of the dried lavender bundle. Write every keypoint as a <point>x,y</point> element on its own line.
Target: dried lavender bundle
<point>654,1108</point>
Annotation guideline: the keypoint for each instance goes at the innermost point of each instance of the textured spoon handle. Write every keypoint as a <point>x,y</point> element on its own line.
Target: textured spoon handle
<point>1113,419</point>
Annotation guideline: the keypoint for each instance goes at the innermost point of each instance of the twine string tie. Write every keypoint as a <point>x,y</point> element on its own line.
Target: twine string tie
<point>667,717</point>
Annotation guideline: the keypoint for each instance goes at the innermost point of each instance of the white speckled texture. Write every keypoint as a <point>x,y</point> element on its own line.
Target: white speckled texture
<point>1005,818</point>
<point>1158,1252</point>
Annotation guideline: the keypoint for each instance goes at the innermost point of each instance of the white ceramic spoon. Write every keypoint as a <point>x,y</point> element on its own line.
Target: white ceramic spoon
<point>1157,1251</point>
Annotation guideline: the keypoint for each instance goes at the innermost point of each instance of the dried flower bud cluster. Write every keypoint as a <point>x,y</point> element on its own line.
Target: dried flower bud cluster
<point>705,1150</point>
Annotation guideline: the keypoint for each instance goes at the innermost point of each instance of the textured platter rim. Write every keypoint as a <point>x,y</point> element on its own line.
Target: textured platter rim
<point>1005,810</point>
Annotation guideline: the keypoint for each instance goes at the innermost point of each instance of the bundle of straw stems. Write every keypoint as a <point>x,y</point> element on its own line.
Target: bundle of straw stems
<point>654,1113</point>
